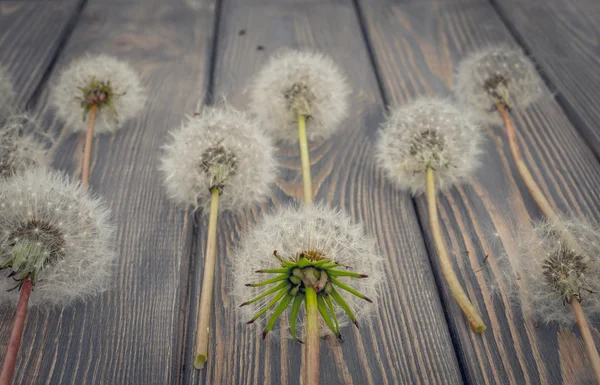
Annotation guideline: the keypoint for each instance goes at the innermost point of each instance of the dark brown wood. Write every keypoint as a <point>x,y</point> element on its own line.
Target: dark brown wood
<point>416,45</point>
<point>30,33</point>
<point>407,342</point>
<point>563,37</point>
<point>133,334</point>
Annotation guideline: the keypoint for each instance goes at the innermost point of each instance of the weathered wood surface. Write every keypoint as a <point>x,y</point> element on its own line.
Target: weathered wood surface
<point>133,334</point>
<point>563,36</point>
<point>408,341</point>
<point>416,45</point>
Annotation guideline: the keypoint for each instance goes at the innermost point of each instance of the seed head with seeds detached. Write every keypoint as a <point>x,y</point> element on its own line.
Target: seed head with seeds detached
<point>497,74</point>
<point>220,148</point>
<point>109,85</point>
<point>297,83</point>
<point>20,150</point>
<point>7,94</point>
<point>301,247</point>
<point>55,235</point>
<point>428,133</point>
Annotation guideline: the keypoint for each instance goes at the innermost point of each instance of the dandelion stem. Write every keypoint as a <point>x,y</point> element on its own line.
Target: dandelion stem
<point>588,340</point>
<point>312,338</point>
<point>10,359</point>
<point>203,326</point>
<point>305,157</point>
<point>440,246</point>
<point>87,153</point>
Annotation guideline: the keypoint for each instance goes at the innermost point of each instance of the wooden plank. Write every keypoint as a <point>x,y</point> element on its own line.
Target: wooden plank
<point>563,36</point>
<point>30,34</point>
<point>416,46</point>
<point>407,342</point>
<point>133,334</point>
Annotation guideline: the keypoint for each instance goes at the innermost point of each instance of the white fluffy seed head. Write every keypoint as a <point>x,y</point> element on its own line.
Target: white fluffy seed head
<point>296,83</point>
<point>7,94</point>
<point>20,150</point>
<point>497,74</point>
<point>51,227</point>
<point>546,272</point>
<point>220,148</point>
<point>294,230</point>
<point>428,132</point>
<point>101,80</point>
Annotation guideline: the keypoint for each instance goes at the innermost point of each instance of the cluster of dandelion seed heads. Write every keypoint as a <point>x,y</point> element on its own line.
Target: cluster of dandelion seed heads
<point>315,233</point>
<point>549,274</point>
<point>102,81</point>
<point>7,94</point>
<point>55,234</point>
<point>428,133</point>
<point>296,83</point>
<point>20,150</point>
<point>220,148</point>
<point>497,74</point>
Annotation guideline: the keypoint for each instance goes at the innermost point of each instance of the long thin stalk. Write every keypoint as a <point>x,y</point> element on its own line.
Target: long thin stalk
<point>440,246</point>
<point>87,154</point>
<point>202,329</point>
<point>312,338</point>
<point>586,335</point>
<point>14,342</point>
<point>304,156</point>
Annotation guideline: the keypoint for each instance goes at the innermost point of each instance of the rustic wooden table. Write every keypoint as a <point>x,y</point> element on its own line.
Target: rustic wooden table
<point>193,51</point>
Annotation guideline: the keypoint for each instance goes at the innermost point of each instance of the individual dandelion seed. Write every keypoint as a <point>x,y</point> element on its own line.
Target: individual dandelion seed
<point>554,274</point>
<point>100,90</point>
<point>219,158</point>
<point>315,261</point>
<point>20,150</point>
<point>299,96</point>
<point>54,237</point>
<point>430,145</point>
<point>7,94</point>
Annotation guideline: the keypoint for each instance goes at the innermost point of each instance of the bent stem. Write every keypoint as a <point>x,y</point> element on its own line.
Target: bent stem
<point>312,338</point>
<point>87,153</point>
<point>10,359</point>
<point>207,284</point>
<point>440,246</point>
<point>304,156</point>
<point>586,335</point>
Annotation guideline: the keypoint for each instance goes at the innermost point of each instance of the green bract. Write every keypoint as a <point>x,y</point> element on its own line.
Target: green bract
<point>101,95</point>
<point>308,269</point>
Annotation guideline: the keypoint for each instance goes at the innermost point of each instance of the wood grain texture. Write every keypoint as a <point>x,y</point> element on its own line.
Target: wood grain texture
<point>563,37</point>
<point>30,33</point>
<point>407,342</point>
<point>416,45</point>
<point>133,333</point>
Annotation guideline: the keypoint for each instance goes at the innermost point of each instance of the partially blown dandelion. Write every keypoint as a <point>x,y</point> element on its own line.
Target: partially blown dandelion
<point>299,96</point>
<point>311,255</point>
<point>553,274</point>
<point>219,158</point>
<point>426,146</point>
<point>53,237</point>
<point>101,91</point>
<point>19,148</point>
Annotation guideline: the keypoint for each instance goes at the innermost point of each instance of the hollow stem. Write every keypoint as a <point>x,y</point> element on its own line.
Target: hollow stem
<point>312,338</point>
<point>440,246</point>
<point>305,158</point>
<point>14,342</point>
<point>202,330</point>
<point>87,153</point>
<point>586,335</point>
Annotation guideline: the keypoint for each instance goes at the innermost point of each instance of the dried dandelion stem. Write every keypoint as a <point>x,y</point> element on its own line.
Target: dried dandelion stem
<point>586,335</point>
<point>312,338</point>
<point>14,343</point>
<point>453,284</point>
<point>87,154</point>
<point>305,158</point>
<point>202,329</point>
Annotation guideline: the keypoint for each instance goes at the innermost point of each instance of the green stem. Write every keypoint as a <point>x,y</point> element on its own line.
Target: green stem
<point>312,337</point>
<point>305,158</point>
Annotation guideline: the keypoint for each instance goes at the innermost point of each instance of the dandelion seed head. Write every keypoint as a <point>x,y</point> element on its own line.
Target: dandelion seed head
<point>20,150</point>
